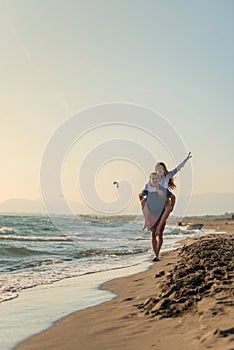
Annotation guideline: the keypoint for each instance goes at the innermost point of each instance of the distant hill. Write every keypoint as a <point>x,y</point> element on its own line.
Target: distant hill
<point>21,205</point>
<point>27,206</point>
<point>205,204</point>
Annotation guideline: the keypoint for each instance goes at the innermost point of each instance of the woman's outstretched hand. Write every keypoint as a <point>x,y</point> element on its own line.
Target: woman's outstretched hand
<point>188,156</point>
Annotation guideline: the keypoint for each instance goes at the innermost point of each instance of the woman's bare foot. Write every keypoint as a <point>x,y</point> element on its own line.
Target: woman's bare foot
<point>155,258</point>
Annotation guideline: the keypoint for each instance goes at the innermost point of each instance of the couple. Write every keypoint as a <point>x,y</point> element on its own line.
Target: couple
<point>157,202</point>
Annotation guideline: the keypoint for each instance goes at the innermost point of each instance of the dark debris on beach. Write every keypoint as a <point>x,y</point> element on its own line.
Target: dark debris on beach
<point>205,268</point>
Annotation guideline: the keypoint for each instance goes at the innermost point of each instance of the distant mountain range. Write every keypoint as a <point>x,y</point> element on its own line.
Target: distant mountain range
<point>28,206</point>
<point>21,205</point>
<point>211,203</point>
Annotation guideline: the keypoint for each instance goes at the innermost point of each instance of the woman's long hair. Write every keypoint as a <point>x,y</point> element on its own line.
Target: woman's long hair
<point>171,184</point>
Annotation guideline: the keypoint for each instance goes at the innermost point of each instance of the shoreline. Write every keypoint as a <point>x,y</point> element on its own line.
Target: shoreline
<point>39,308</point>
<point>119,322</point>
<point>32,319</point>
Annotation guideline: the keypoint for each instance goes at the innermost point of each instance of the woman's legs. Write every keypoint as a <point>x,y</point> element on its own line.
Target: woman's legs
<point>163,218</point>
<point>154,242</point>
<point>159,239</point>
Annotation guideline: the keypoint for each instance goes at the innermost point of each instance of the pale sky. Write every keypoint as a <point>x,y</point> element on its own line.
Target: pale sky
<point>61,57</point>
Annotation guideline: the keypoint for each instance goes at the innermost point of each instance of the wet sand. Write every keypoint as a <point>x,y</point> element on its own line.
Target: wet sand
<point>184,301</point>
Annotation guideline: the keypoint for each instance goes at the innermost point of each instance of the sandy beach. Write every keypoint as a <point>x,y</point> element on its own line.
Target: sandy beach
<point>184,301</point>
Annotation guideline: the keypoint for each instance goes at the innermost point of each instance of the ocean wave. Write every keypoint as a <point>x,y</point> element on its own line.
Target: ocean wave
<point>44,262</point>
<point>10,252</point>
<point>14,283</point>
<point>17,251</point>
<point>96,239</point>
<point>40,264</point>
<point>111,253</point>
<point>178,231</point>
<point>7,230</point>
<point>36,238</point>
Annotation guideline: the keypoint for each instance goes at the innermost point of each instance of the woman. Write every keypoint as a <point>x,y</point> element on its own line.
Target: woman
<point>153,206</point>
<point>166,180</point>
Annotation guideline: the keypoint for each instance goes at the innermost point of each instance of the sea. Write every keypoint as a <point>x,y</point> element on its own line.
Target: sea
<point>35,253</point>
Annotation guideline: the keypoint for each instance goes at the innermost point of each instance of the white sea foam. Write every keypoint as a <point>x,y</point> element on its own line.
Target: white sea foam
<point>35,238</point>
<point>7,230</point>
<point>12,283</point>
<point>48,255</point>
